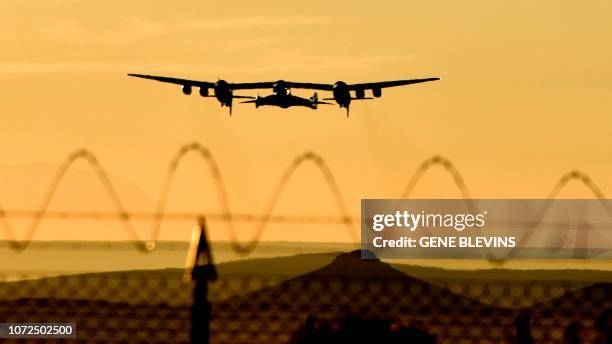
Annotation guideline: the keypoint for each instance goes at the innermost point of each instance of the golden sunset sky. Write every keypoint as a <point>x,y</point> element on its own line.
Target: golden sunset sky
<point>525,98</point>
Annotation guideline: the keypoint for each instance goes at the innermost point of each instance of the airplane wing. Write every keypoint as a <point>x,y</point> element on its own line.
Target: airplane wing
<point>310,86</point>
<point>364,86</point>
<point>177,81</point>
<point>384,84</point>
<point>187,82</point>
<point>251,85</point>
<point>290,84</point>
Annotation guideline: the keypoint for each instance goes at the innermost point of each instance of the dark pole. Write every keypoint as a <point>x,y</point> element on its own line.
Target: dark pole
<point>203,272</point>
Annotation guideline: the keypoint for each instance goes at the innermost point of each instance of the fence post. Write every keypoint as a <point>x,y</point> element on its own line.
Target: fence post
<point>202,272</point>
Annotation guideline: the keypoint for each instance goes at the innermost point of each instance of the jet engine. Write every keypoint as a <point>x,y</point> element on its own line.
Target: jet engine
<point>223,91</point>
<point>187,89</point>
<point>360,93</point>
<point>342,95</point>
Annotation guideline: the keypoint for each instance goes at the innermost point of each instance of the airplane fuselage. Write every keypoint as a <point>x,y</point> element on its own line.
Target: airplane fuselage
<point>283,98</point>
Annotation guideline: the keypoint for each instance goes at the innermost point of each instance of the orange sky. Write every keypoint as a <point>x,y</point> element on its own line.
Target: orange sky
<point>525,98</point>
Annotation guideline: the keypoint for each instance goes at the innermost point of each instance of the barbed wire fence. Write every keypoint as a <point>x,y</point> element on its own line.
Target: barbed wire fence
<point>161,308</point>
<point>228,217</point>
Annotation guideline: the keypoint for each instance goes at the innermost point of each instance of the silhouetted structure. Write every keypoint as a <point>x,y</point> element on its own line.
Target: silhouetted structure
<point>523,329</point>
<point>202,273</point>
<point>353,329</point>
<point>574,333</point>
<point>603,327</point>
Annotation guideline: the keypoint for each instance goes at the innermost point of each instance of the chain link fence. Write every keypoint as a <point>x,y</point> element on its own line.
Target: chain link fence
<point>318,307</point>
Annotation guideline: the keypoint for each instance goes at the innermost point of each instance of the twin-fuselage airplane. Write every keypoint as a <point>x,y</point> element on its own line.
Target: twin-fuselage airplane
<point>281,91</point>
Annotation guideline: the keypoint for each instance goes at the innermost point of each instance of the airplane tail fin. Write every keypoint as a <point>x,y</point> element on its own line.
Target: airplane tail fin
<point>314,100</point>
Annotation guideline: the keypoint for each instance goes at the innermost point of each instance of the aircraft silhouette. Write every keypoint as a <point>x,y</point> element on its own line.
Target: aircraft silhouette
<point>281,96</point>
